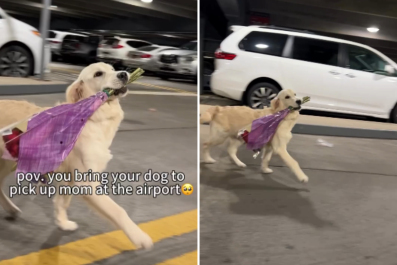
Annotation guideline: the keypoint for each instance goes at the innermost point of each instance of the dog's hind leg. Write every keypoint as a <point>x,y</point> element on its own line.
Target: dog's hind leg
<point>292,164</point>
<point>234,144</point>
<point>217,137</point>
<point>267,155</point>
<point>109,209</point>
<point>61,204</point>
<point>6,168</point>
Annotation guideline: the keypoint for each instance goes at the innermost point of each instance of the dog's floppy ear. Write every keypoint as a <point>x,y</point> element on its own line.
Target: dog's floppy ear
<point>75,91</point>
<point>275,104</point>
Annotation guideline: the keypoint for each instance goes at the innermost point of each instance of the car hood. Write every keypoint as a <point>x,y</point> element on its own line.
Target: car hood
<point>180,52</point>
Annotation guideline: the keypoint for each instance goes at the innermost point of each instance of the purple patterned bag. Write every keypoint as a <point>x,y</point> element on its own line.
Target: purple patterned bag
<point>51,135</point>
<point>263,129</point>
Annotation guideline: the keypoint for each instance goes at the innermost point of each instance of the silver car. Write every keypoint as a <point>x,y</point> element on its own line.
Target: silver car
<point>145,57</point>
<point>181,63</point>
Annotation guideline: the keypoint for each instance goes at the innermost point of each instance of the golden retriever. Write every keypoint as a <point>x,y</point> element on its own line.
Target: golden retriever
<point>226,122</point>
<point>91,151</point>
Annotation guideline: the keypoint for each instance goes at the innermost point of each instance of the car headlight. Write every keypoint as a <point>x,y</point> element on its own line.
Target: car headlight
<point>189,59</point>
<point>35,32</point>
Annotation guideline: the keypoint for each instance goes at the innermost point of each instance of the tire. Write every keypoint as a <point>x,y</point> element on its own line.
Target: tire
<point>15,61</point>
<point>393,115</point>
<point>258,95</point>
<point>163,77</point>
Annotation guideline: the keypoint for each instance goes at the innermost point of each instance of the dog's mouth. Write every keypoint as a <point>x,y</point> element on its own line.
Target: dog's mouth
<point>120,91</point>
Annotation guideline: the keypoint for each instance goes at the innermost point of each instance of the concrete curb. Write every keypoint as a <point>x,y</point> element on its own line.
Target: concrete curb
<point>342,132</point>
<point>7,90</point>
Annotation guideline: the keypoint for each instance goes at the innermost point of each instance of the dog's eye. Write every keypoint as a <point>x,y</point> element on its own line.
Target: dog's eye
<point>287,97</point>
<point>97,74</point>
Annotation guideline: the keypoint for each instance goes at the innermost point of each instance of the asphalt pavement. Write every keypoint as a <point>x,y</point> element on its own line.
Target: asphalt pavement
<point>345,215</point>
<point>159,132</point>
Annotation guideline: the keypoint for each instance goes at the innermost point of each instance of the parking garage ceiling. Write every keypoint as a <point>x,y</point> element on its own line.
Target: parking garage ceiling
<point>346,19</point>
<point>104,9</point>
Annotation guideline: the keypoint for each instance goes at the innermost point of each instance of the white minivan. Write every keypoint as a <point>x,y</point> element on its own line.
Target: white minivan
<point>255,62</point>
<point>20,48</point>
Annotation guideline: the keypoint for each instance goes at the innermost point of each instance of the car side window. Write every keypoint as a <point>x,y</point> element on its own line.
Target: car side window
<point>362,59</point>
<point>137,44</point>
<point>264,43</point>
<point>315,51</point>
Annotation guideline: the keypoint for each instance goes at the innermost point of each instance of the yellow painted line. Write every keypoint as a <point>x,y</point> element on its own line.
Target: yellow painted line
<point>139,83</point>
<point>186,259</point>
<point>95,248</point>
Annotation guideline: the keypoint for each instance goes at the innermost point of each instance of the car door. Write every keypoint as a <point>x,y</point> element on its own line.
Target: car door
<point>313,69</point>
<point>368,88</point>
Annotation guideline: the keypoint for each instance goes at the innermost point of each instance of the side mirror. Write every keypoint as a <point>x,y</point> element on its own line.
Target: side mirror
<point>390,69</point>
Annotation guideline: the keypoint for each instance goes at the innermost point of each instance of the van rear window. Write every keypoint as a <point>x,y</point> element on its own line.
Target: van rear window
<point>264,42</point>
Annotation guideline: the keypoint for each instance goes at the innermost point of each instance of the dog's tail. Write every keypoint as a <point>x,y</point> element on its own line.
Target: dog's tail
<point>207,116</point>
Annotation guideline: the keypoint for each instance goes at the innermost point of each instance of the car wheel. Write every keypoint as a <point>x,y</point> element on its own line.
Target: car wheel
<point>163,77</point>
<point>259,95</point>
<point>15,61</point>
<point>393,115</point>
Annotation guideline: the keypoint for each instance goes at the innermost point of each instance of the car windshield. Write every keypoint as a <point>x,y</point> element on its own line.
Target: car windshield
<point>191,46</point>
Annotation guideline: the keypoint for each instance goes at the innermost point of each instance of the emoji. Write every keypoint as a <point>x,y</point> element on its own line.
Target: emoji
<point>187,189</point>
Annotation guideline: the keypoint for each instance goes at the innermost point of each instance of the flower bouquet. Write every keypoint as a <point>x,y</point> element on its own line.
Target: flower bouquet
<point>262,130</point>
<point>42,142</point>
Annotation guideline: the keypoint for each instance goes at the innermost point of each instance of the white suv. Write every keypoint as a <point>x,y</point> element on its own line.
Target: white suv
<point>115,50</point>
<point>341,76</point>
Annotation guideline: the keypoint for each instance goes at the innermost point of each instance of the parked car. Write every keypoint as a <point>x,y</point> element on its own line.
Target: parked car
<point>181,63</point>
<point>253,63</point>
<point>115,50</point>
<point>146,57</point>
<point>20,48</point>
<point>55,39</point>
<point>80,48</point>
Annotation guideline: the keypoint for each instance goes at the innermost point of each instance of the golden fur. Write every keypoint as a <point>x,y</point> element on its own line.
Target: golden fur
<point>91,150</point>
<point>226,122</point>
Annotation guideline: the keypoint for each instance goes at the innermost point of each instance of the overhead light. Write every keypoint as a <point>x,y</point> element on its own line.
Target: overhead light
<point>373,29</point>
<point>54,6</point>
<point>147,1</point>
<point>261,46</point>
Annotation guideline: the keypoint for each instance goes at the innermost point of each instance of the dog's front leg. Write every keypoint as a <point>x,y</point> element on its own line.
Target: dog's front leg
<point>292,164</point>
<point>109,209</point>
<point>61,204</point>
<point>267,155</point>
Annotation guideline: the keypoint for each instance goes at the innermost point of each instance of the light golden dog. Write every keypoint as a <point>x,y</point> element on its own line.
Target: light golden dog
<point>225,123</point>
<point>91,151</point>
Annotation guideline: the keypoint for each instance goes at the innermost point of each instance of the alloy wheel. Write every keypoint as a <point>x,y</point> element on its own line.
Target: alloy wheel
<point>15,64</point>
<point>262,97</point>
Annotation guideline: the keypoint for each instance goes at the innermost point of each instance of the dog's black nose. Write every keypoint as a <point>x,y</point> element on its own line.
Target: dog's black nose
<point>122,76</point>
<point>298,101</point>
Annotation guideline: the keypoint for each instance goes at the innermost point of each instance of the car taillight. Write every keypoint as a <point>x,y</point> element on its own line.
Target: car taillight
<point>224,55</point>
<point>55,41</point>
<point>118,46</point>
<point>146,56</point>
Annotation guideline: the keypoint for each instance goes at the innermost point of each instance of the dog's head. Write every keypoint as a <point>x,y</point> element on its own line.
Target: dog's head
<point>95,78</point>
<point>284,99</point>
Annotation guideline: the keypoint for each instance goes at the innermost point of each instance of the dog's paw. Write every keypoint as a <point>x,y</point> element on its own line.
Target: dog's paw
<point>209,161</point>
<point>304,179</point>
<point>241,164</point>
<point>267,170</point>
<point>68,226</point>
<point>143,241</point>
